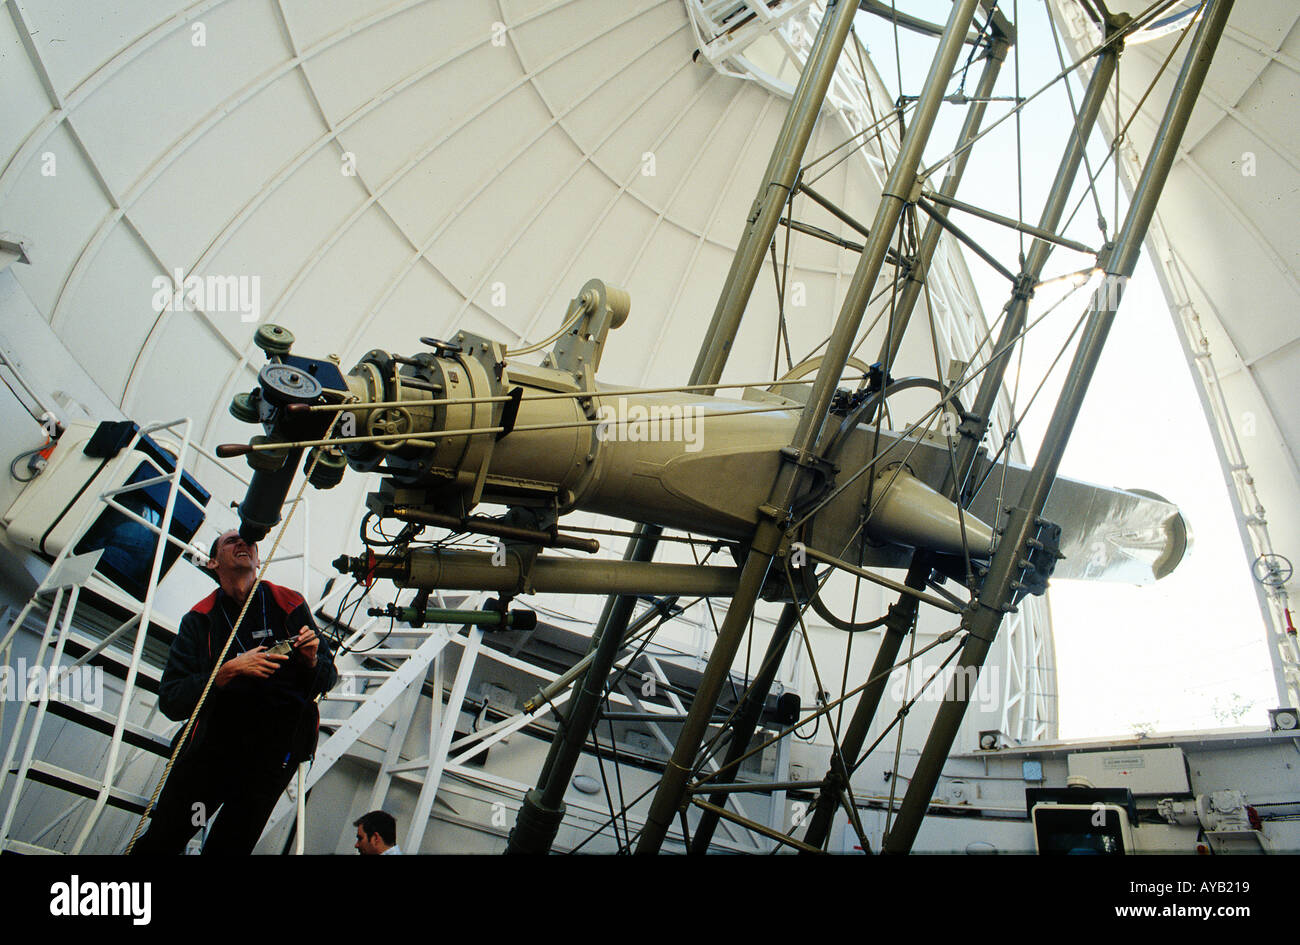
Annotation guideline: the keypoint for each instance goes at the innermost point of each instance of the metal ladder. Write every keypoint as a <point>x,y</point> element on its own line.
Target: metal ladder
<point>376,669</point>
<point>62,589</point>
<point>380,667</point>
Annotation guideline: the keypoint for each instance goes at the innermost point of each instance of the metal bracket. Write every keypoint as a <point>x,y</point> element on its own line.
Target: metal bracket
<point>511,413</point>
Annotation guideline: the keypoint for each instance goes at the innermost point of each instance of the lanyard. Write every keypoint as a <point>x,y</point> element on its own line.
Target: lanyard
<point>265,631</point>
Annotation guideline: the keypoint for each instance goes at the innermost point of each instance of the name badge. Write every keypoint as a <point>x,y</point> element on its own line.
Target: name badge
<point>262,634</point>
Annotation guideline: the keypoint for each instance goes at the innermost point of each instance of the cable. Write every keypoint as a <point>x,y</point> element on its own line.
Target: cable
<point>13,465</point>
<point>392,623</point>
<point>817,721</point>
<point>410,531</point>
<point>515,352</point>
<point>343,648</point>
<point>335,627</point>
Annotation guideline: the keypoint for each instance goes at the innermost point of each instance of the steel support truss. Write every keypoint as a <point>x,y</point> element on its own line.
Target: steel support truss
<point>995,591</point>
<point>1023,525</point>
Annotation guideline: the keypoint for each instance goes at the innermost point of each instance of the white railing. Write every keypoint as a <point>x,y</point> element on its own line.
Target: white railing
<point>67,577</point>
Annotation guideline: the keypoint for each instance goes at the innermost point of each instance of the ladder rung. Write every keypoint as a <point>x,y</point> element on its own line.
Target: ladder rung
<point>103,722</point>
<point>345,697</point>
<point>113,662</point>
<point>54,776</point>
<point>28,849</point>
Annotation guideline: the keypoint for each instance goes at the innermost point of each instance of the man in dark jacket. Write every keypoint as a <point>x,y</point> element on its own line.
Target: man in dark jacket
<point>259,719</point>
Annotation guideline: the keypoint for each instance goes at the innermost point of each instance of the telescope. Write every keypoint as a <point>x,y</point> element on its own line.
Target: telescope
<point>462,426</point>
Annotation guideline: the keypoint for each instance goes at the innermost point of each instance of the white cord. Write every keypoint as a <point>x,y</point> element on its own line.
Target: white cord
<point>542,344</point>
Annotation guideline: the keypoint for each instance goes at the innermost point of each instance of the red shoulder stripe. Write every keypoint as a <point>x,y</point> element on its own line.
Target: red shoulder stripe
<point>205,606</point>
<point>286,599</point>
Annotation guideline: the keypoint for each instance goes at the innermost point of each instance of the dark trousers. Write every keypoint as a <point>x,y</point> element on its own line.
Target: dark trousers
<point>242,781</point>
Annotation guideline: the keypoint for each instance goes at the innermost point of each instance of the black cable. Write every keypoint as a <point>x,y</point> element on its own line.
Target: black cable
<point>338,623</point>
<point>618,769</point>
<point>817,722</point>
<point>409,532</point>
<point>334,627</point>
<point>609,795</point>
<point>645,641</point>
<point>905,708</point>
<point>713,617</point>
<point>392,622</point>
<point>975,48</point>
<point>601,829</point>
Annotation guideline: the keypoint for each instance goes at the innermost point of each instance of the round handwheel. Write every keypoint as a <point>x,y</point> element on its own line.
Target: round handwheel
<point>390,421</point>
<point>1272,570</point>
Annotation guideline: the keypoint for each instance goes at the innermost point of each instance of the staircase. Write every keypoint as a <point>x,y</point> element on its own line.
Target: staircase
<point>57,598</point>
<point>106,759</point>
<point>379,666</point>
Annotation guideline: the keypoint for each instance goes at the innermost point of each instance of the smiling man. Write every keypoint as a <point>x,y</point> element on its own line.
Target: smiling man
<point>260,719</point>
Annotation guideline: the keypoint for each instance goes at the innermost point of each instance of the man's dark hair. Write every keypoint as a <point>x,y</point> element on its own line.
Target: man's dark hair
<point>380,822</point>
<point>212,556</point>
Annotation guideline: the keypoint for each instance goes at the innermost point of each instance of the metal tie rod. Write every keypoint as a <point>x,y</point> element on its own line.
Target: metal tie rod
<point>995,597</point>
<point>1008,222</point>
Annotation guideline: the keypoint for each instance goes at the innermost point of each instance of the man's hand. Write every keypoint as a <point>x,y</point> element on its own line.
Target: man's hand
<point>305,645</point>
<point>256,662</point>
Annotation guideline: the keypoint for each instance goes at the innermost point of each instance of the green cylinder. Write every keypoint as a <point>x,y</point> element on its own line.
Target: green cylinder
<point>273,339</point>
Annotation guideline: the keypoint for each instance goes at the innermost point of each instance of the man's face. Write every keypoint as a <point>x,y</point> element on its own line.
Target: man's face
<point>234,555</point>
<point>367,844</point>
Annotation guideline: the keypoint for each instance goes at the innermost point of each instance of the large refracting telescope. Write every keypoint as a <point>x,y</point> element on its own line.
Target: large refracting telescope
<point>461,426</point>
